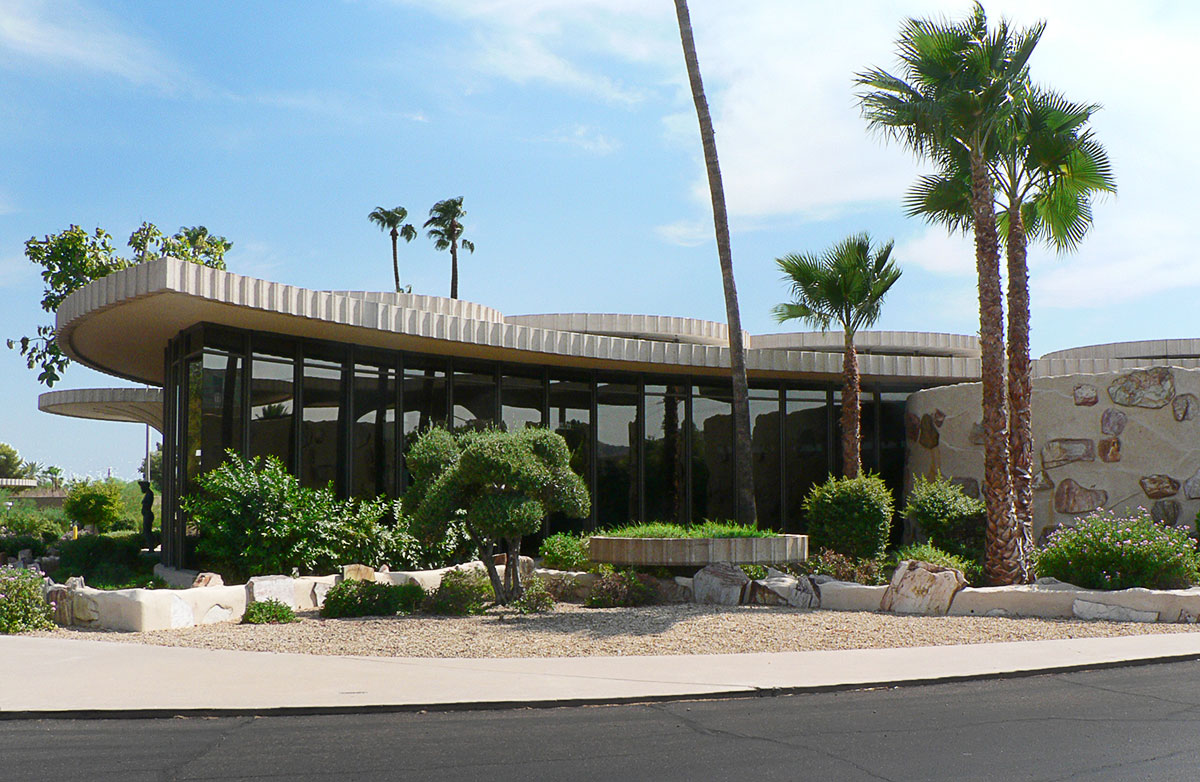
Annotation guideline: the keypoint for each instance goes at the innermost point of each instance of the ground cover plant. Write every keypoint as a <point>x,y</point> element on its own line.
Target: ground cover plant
<point>536,599</point>
<point>22,605</point>
<point>852,516</point>
<point>1107,550</point>
<point>268,612</point>
<point>950,519</point>
<point>621,588</point>
<point>463,592</point>
<point>565,551</point>
<point>353,597</point>
<point>972,569</point>
<point>827,562</point>
<point>704,529</point>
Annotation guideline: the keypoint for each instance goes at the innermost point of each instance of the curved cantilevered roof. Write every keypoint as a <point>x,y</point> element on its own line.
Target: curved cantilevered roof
<point>134,405</point>
<point>121,325</point>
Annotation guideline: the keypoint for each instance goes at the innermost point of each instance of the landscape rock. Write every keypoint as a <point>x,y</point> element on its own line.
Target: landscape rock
<point>1184,407</point>
<point>673,590</point>
<point>782,589</point>
<point>1159,486</point>
<point>1086,395</point>
<point>922,588</point>
<point>1086,609</point>
<point>216,614</point>
<point>281,588</point>
<point>208,580</point>
<point>1065,450</point>
<point>720,583</point>
<point>182,614</point>
<point>849,596</point>
<point>1191,487</point>
<point>1166,511</point>
<point>84,609</point>
<point>319,590</point>
<point>1152,388</point>
<point>1070,497</point>
<point>75,582</point>
<point>969,486</point>
<point>361,572</point>
<point>49,563</point>
<point>1109,449</point>
<point>1112,422</point>
<point>570,585</point>
<point>60,598</point>
<point>928,437</point>
<point>939,418</point>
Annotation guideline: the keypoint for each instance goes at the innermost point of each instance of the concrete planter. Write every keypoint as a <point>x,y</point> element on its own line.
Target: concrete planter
<point>681,552</point>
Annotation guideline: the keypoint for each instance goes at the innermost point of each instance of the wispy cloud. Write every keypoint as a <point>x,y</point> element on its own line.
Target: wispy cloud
<point>584,137</point>
<point>936,251</point>
<point>72,35</point>
<point>685,233</point>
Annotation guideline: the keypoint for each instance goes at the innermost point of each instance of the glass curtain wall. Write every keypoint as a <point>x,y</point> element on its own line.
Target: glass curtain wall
<point>522,399</point>
<point>618,434</point>
<point>713,495</point>
<point>766,441</point>
<point>321,435</point>
<point>373,437</point>
<point>570,400</point>
<point>665,450</point>
<point>807,459</point>
<point>272,403</point>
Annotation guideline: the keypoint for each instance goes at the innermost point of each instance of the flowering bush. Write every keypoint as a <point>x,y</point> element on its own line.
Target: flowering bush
<point>22,604</point>
<point>1105,550</point>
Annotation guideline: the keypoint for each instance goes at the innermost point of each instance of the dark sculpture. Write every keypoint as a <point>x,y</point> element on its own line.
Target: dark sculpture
<point>147,515</point>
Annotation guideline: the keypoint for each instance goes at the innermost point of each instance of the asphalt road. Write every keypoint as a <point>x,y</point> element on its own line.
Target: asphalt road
<point>1121,724</point>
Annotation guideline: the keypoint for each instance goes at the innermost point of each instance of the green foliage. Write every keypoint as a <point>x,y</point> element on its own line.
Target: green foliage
<point>950,519</point>
<point>23,606</point>
<point>105,561</point>
<point>703,529</point>
<point>827,562</point>
<point>25,518</point>
<point>843,285</point>
<point>565,551</point>
<point>268,612</point>
<point>11,463</point>
<point>852,516</point>
<point>972,569</point>
<point>13,544</point>
<point>72,258</point>
<point>535,599</point>
<point>463,592</point>
<point>621,588</point>
<point>99,503</point>
<point>1105,550</point>
<point>754,571</point>
<point>371,598</point>
<point>255,518</point>
<point>410,552</point>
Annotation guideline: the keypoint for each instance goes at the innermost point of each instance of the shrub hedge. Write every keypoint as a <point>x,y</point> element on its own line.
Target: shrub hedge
<point>950,519</point>
<point>852,516</point>
<point>352,598</point>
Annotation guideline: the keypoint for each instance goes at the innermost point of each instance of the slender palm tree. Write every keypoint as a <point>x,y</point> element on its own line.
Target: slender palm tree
<point>844,285</point>
<point>1048,169</point>
<point>392,221</point>
<point>958,87</point>
<point>445,229</point>
<point>746,510</point>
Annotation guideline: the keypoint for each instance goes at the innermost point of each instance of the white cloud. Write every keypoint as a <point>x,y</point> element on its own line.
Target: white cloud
<point>936,251</point>
<point>72,35</point>
<point>584,137</point>
<point>686,233</point>
<point>332,104</point>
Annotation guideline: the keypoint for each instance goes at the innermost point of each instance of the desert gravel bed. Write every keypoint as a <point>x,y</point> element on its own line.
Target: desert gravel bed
<point>573,631</point>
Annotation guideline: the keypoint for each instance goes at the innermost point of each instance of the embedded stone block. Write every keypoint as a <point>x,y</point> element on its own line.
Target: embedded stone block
<point>1066,450</point>
<point>281,588</point>
<point>976,435</point>
<point>1159,486</point>
<point>1042,481</point>
<point>1109,449</point>
<point>1184,407</point>
<point>928,436</point>
<point>969,486</point>
<point>1166,511</point>
<point>1072,498</point>
<point>1086,395</point>
<point>1150,388</point>
<point>1112,422</point>
<point>1086,609</point>
<point>1191,487</point>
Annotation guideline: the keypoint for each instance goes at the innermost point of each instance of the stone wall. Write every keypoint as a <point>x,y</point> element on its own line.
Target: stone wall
<point>1117,440</point>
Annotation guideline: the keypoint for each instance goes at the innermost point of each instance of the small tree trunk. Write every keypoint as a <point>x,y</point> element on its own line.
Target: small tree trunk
<point>396,259</point>
<point>486,555</point>
<point>1020,388</point>
<point>851,442</point>
<point>454,269</point>
<point>513,563</point>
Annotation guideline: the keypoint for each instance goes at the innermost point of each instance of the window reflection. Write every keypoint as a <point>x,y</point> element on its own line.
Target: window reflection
<point>713,494</point>
<point>617,434</point>
<point>666,453</point>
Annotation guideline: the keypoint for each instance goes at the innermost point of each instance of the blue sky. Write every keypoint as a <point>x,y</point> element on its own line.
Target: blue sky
<point>566,126</point>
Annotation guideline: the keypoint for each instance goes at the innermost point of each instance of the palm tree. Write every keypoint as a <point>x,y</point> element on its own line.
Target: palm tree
<point>744,477</point>
<point>845,284</point>
<point>959,86</point>
<point>1048,168</point>
<point>445,229</point>
<point>392,220</point>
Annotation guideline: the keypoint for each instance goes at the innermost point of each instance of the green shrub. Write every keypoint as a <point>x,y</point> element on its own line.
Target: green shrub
<point>408,551</point>
<point>565,551</point>
<point>950,519</point>
<point>23,606</point>
<point>703,529</point>
<point>268,612</point>
<point>1105,550</point>
<point>927,552</point>
<point>621,588</point>
<point>90,553</point>
<point>371,598</point>
<point>255,518</point>
<point>98,503</point>
<point>754,571</point>
<point>461,593</point>
<point>13,544</point>
<point>24,518</point>
<point>536,599</point>
<point>852,516</point>
<point>827,562</point>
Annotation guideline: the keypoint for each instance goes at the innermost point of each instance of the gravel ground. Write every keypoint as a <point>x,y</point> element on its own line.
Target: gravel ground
<point>573,631</point>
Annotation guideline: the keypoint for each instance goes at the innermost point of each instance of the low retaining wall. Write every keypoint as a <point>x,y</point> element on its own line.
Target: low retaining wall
<point>684,552</point>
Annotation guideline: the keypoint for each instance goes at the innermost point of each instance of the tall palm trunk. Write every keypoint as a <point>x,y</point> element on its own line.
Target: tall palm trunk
<point>746,511</point>
<point>454,260</point>
<point>1002,560</point>
<point>1020,388</point>
<point>851,454</point>
<point>395,258</point>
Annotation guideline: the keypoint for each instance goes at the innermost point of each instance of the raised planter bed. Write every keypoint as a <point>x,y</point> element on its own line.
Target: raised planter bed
<point>682,552</point>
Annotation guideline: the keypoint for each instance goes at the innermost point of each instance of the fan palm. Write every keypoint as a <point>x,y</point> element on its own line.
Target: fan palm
<point>747,512</point>
<point>445,229</point>
<point>1048,168</point>
<point>392,221</point>
<point>960,84</point>
<point>844,285</point>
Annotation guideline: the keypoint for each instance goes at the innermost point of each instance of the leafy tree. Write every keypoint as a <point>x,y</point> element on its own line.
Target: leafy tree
<point>72,258</point>
<point>98,503</point>
<point>445,229</point>
<point>959,86</point>
<point>747,512</point>
<point>845,284</point>
<point>392,220</point>
<point>500,484</point>
<point>11,463</point>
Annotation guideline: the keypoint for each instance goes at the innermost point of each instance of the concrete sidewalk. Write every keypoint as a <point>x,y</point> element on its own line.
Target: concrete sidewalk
<point>51,677</point>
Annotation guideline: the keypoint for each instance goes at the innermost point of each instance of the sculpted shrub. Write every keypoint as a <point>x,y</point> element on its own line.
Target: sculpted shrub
<point>950,519</point>
<point>98,503</point>
<point>852,516</point>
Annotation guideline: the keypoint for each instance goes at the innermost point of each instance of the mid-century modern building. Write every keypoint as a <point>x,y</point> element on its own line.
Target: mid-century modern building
<point>335,383</point>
